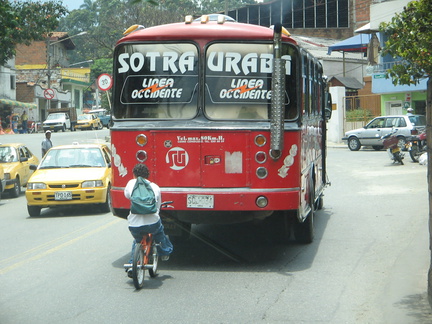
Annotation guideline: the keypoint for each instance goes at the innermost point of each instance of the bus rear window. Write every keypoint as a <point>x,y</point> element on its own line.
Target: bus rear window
<point>238,81</point>
<point>156,81</point>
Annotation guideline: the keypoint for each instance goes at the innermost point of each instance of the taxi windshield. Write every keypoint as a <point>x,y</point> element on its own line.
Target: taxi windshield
<point>8,154</point>
<point>73,158</point>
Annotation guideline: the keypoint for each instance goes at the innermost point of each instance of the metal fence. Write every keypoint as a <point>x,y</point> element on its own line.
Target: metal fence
<point>359,110</point>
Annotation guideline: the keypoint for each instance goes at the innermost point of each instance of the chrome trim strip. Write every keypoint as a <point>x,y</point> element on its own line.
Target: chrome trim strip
<point>232,190</point>
<point>221,190</point>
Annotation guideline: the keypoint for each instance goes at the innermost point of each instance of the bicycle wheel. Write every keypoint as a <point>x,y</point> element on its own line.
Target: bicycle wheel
<point>138,269</point>
<point>153,259</point>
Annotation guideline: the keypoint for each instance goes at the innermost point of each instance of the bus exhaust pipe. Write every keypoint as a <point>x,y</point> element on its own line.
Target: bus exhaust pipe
<point>278,96</point>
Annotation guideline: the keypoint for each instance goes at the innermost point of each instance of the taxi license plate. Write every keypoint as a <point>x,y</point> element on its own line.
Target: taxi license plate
<point>63,195</point>
<point>200,201</point>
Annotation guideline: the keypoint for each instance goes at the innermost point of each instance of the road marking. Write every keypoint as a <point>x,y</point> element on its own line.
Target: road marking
<point>54,249</point>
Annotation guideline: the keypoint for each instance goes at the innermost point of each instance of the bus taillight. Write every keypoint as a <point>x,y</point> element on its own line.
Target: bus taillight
<point>141,156</point>
<point>141,140</point>
<point>261,157</point>
<point>261,201</point>
<point>261,173</point>
<point>260,140</point>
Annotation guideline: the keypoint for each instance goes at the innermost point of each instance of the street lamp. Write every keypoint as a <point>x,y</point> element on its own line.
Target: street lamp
<point>83,62</point>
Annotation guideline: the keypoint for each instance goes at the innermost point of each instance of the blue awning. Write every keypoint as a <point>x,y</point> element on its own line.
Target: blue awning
<point>357,44</point>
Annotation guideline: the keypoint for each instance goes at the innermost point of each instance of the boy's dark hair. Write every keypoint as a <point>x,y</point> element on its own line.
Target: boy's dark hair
<point>141,170</point>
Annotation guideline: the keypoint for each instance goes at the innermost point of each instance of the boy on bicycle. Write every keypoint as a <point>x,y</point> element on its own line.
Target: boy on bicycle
<point>139,225</point>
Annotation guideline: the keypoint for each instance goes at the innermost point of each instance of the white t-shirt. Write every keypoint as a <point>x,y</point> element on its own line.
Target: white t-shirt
<point>136,220</point>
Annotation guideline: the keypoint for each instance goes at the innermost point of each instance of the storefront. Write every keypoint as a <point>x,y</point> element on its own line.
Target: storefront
<point>10,114</point>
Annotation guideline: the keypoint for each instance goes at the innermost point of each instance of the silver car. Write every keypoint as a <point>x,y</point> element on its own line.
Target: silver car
<point>370,135</point>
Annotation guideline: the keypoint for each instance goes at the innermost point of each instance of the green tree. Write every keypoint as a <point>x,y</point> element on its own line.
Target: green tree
<point>410,41</point>
<point>215,6</point>
<point>25,21</point>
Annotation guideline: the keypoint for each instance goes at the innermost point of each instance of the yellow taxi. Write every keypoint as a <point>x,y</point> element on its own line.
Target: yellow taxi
<point>16,159</point>
<point>88,121</point>
<point>2,180</point>
<point>69,175</point>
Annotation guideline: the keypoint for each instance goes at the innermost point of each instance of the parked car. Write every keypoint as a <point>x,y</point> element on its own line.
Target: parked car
<point>370,135</point>
<point>16,159</point>
<point>104,117</point>
<point>2,180</point>
<point>57,121</point>
<point>71,175</point>
<point>88,121</point>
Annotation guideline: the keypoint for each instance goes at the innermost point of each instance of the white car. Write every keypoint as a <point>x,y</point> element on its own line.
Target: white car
<point>57,121</point>
<point>370,135</point>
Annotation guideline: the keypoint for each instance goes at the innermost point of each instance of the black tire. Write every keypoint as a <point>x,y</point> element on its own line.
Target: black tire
<point>354,144</point>
<point>34,211</point>
<point>16,190</point>
<point>398,157</point>
<point>154,260</point>
<point>106,206</point>
<point>138,269</point>
<point>64,128</point>
<point>122,213</point>
<point>320,203</point>
<point>304,231</point>
<point>414,153</point>
<point>377,147</point>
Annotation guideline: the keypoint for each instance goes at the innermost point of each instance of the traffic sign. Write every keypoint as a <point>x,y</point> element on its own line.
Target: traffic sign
<point>104,82</point>
<point>49,94</point>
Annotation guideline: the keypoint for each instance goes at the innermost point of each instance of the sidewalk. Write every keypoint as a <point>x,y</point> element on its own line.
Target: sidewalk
<point>337,145</point>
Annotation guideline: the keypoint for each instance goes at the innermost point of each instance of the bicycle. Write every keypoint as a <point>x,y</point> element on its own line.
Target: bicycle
<point>146,257</point>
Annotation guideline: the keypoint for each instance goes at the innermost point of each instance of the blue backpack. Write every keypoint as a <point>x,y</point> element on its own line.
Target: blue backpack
<point>143,199</point>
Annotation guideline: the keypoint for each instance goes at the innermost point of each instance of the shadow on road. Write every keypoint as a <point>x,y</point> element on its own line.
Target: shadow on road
<point>69,211</point>
<point>417,307</point>
<point>241,247</point>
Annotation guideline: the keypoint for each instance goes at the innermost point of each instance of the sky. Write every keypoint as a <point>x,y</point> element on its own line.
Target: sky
<point>72,4</point>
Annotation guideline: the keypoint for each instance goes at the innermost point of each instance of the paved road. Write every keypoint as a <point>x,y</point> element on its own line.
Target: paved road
<point>368,263</point>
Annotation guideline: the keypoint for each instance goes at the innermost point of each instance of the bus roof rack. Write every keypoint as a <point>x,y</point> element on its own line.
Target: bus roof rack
<point>212,17</point>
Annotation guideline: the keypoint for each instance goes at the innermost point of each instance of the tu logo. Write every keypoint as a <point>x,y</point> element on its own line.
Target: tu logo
<point>177,158</point>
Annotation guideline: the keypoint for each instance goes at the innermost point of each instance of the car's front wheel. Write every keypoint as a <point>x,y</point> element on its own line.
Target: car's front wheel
<point>354,144</point>
<point>34,211</point>
<point>105,207</point>
<point>377,147</point>
<point>16,190</point>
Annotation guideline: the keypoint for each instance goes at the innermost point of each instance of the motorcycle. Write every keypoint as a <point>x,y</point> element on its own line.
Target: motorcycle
<point>417,146</point>
<point>391,144</point>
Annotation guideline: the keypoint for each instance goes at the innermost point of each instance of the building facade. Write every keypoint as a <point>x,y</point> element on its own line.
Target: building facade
<point>44,72</point>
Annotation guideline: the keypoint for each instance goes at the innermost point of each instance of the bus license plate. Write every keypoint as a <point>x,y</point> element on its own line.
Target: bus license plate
<point>63,195</point>
<point>200,201</point>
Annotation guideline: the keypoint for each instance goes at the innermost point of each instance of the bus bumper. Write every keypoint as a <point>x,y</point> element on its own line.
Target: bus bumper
<point>190,205</point>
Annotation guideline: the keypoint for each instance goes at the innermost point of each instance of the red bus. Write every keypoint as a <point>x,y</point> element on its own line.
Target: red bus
<point>229,117</point>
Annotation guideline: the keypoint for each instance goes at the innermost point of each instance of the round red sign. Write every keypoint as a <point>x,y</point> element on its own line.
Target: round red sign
<point>104,82</point>
<point>49,94</point>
